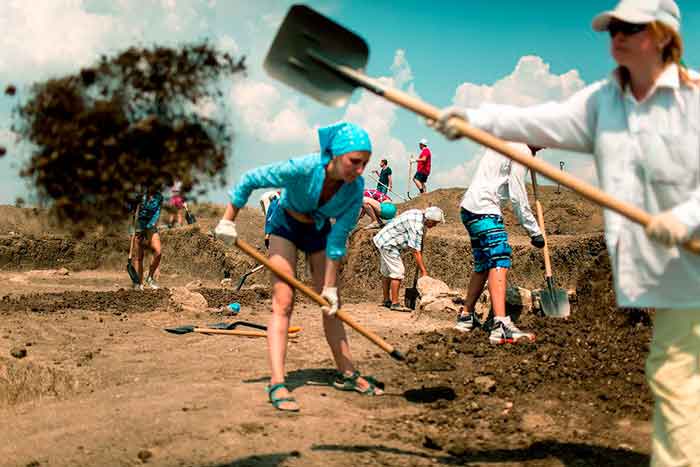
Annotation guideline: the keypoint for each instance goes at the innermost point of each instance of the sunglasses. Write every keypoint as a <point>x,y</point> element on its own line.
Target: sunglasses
<point>627,29</point>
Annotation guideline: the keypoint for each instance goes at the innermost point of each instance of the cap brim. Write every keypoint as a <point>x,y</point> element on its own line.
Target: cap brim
<point>601,22</point>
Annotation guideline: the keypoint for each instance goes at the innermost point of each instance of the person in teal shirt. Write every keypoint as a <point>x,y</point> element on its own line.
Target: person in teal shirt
<point>315,189</point>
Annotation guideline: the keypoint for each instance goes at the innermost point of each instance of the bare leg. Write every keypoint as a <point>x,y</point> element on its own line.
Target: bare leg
<point>332,326</point>
<point>282,254</point>
<point>497,289</point>
<point>395,284</point>
<point>138,255</point>
<point>155,258</point>
<point>476,286</point>
<point>179,217</point>
<point>385,288</point>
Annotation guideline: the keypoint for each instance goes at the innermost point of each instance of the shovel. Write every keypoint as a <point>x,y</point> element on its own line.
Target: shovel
<point>229,329</point>
<point>130,266</point>
<point>245,276</point>
<point>189,217</point>
<point>324,60</point>
<point>554,300</point>
<point>130,269</point>
<point>411,294</point>
<point>306,290</point>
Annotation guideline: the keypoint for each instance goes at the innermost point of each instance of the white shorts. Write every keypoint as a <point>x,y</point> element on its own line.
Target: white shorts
<point>390,266</point>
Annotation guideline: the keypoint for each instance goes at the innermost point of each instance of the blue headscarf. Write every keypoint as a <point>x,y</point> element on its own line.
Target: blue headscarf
<point>342,138</point>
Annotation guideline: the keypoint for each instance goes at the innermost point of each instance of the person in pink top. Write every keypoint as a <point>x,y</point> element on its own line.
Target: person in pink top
<point>422,165</point>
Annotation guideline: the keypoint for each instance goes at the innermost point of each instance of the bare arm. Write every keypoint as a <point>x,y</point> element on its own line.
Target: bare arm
<point>331,276</point>
<point>419,261</point>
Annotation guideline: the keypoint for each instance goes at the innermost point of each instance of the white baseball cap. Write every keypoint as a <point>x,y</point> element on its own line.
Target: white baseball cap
<point>641,12</point>
<point>423,141</point>
<point>434,213</point>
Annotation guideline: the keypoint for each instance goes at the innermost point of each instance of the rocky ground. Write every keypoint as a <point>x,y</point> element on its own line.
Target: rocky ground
<point>88,376</point>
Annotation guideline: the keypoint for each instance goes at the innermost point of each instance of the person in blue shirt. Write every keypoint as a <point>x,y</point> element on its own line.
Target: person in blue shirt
<point>315,188</point>
<point>147,216</point>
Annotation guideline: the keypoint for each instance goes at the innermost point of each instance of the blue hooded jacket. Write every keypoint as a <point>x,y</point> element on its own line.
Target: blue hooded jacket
<point>301,180</point>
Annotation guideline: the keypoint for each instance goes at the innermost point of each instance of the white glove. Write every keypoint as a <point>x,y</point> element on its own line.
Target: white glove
<point>441,124</point>
<point>667,229</point>
<point>226,231</point>
<point>331,295</point>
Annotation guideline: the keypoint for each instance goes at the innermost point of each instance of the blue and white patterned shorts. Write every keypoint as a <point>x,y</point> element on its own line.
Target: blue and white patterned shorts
<point>489,240</point>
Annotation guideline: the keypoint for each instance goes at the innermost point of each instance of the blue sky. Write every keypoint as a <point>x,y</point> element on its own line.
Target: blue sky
<point>445,52</point>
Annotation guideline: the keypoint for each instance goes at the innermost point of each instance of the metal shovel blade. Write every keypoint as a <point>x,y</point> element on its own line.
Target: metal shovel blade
<point>305,30</point>
<point>555,301</point>
<point>132,272</point>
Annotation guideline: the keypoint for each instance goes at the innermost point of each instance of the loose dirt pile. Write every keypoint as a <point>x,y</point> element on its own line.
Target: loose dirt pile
<point>121,301</point>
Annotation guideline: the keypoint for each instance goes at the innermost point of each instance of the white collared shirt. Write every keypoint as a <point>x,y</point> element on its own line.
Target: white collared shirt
<point>647,154</point>
<point>498,179</point>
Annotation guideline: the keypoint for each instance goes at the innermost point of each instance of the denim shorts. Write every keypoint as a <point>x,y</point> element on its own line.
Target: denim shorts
<point>306,237</point>
<point>489,240</point>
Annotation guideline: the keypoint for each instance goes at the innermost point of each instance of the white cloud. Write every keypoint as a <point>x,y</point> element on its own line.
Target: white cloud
<point>268,116</point>
<point>459,175</point>
<point>378,115</point>
<point>530,83</point>
<point>42,38</point>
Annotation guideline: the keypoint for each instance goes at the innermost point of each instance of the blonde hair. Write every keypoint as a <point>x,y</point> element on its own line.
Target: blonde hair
<point>671,53</point>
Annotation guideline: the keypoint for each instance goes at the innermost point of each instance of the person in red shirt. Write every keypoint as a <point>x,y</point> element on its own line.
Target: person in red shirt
<point>422,165</point>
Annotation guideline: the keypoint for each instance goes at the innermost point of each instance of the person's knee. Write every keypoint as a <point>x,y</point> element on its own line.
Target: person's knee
<point>282,306</point>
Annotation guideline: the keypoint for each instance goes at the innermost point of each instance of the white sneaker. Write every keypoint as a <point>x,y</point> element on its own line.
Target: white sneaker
<point>505,332</point>
<point>137,286</point>
<point>152,284</point>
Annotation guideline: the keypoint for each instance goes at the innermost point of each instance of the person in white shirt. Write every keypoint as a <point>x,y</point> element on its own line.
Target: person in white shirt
<point>497,179</point>
<point>641,125</point>
<point>404,231</point>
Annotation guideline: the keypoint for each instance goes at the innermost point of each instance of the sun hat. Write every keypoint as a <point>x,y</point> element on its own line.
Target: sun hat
<point>387,210</point>
<point>640,12</point>
<point>434,213</point>
<point>423,141</point>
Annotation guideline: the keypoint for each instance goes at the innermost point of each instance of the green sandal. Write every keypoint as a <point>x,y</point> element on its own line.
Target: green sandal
<point>349,383</point>
<point>276,401</point>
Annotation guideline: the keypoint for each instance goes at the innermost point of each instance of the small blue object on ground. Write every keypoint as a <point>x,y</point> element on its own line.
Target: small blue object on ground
<point>235,307</point>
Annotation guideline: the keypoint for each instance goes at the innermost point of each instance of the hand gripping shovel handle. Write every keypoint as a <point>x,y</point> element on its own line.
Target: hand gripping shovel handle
<point>310,293</point>
<point>486,139</point>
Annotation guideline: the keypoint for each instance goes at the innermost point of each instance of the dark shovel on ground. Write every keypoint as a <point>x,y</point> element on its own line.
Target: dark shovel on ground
<point>411,295</point>
<point>245,276</point>
<point>229,328</point>
<point>189,217</point>
<point>129,265</point>
<point>554,300</point>
<point>324,60</point>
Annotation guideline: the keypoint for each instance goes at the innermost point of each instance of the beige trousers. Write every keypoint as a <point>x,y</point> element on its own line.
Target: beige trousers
<point>673,374</point>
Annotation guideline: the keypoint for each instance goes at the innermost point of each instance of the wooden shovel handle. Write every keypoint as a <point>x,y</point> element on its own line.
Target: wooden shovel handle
<point>231,332</point>
<point>540,221</point>
<point>310,293</point>
<point>584,189</point>
<point>236,332</point>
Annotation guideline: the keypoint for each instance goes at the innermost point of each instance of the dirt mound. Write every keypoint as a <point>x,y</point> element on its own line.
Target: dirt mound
<point>447,255</point>
<point>582,372</point>
<point>221,297</point>
<point>120,301</point>
<point>565,213</point>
